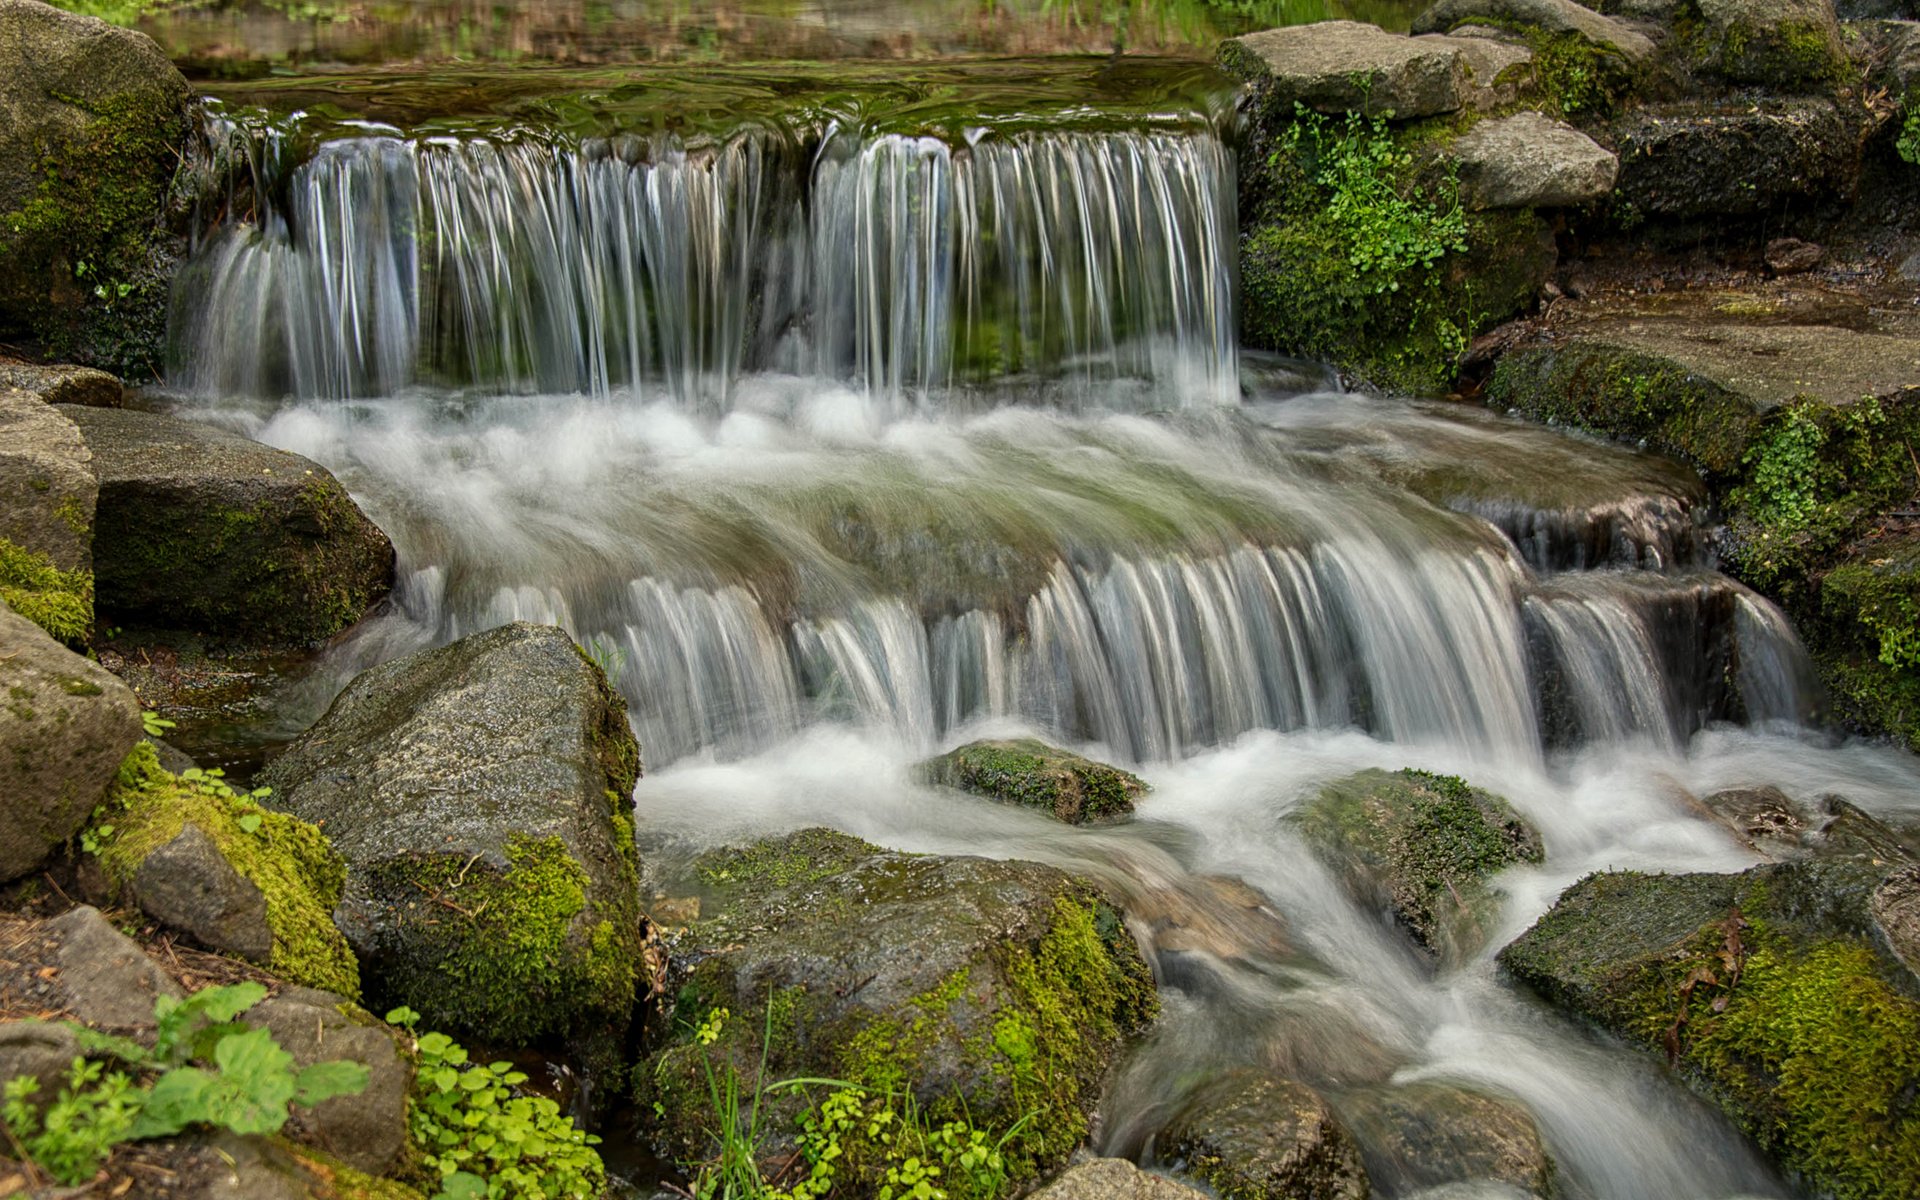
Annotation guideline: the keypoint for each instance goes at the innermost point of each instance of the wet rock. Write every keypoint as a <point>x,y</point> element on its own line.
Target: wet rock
<point>1115,1179</point>
<point>190,886</point>
<point>1251,1135</point>
<point>1698,160</point>
<point>1545,16</point>
<point>204,531</point>
<point>65,726</point>
<point>1786,45</point>
<point>1428,1135</point>
<point>101,977</point>
<point>369,1131</point>
<point>479,794</point>
<point>1762,817</point>
<point>997,992</point>
<point>43,1050</point>
<point>47,488</point>
<point>1422,848</point>
<point>1768,992</point>
<point>1032,774</point>
<point>64,384</point>
<point>1210,914</point>
<point>1896,916</point>
<point>1791,256</point>
<point>1339,66</point>
<point>1531,161</point>
<point>1848,831</point>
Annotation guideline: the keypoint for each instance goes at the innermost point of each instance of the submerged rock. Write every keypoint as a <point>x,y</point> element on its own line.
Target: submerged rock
<point>1769,992</point>
<point>1338,66</point>
<point>205,531</point>
<point>1531,161</point>
<point>994,993</point>
<point>1764,818</point>
<point>1428,1135</point>
<point>1032,774</point>
<point>479,794</point>
<point>1255,1136</point>
<point>1421,847</point>
<point>65,726</point>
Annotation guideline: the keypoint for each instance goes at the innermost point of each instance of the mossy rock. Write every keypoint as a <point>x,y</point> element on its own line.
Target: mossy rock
<point>1783,45</point>
<point>992,993</point>
<point>1418,1136</point>
<point>60,602</point>
<point>1768,992</point>
<point>1421,847</point>
<point>1255,1136</point>
<point>297,871</point>
<point>480,794</point>
<point>1032,774</point>
<point>1864,635</point>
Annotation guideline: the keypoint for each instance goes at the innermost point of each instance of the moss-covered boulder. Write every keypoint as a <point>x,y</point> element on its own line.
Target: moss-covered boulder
<point>1252,1135</point>
<point>992,994</point>
<point>1428,1135</point>
<point>65,725</point>
<point>1707,160</point>
<point>1769,992</point>
<point>1864,631</point>
<point>92,119</point>
<point>1540,18</point>
<point>1032,774</point>
<point>297,873</point>
<point>47,497</point>
<point>480,794</point>
<point>203,531</point>
<point>1422,848</point>
<point>1337,66</point>
<point>1783,45</point>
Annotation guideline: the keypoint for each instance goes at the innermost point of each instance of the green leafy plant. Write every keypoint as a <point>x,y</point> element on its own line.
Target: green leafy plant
<point>1907,145</point>
<point>69,1140</point>
<point>481,1138</point>
<point>151,722</point>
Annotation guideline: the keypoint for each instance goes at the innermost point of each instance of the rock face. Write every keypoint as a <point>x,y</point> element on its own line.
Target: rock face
<point>1768,992</point>
<point>1702,160</point>
<point>1250,1134</point>
<point>479,793</point>
<point>995,992</point>
<point>205,531</point>
<point>1787,45</point>
<point>44,1050</point>
<point>1115,1179</point>
<point>1429,1135</point>
<point>1422,847</point>
<point>1545,16</point>
<point>1034,775</point>
<point>65,726</point>
<point>1532,161</point>
<point>62,383</point>
<point>1337,66</point>
<point>189,885</point>
<point>47,497</point>
<point>1896,916</point>
<point>90,119</point>
<point>367,1131</point>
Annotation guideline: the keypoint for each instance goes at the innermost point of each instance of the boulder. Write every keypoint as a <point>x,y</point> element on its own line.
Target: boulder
<point>1032,774</point>
<point>91,121</point>
<point>479,793</point>
<point>1764,818</point>
<point>1769,993</point>
<point>1785,45</point>
<point>47,489</point>
<point>205,531</point>
<point>1896,916</point>
<point>43,1050</point>
<point>1421,847</point>
<point>1429,1135</point>
<point>94,973</point>
<point>63,383</point>
<point>65,726</point>
<point>995,993</point>
<point>1115,1179</point>
<point>188,884</point>
<point>1496,66</point>
<point>1791,256</point>
<point>1531,161</point>
<point>1249,1134</point>
<point>367,1131</point>
<point>1698,161</point>
<point>1341,66</point>
<point>1845,830</point>
<point>1542,16</point>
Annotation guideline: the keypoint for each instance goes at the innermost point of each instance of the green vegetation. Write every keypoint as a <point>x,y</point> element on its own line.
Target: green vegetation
<point>1907,145</point>
<point>289,860</point>
<point>480,1138</point>
<point>60,602</point>
<point>1032,774</point>
<point>245,1083</point>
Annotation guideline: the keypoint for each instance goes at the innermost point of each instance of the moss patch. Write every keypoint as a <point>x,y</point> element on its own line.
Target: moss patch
<point>287,859</point>
<point>60,602</point>
<point>1032,774</point>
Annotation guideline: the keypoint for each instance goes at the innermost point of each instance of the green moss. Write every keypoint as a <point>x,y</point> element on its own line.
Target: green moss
<point>1033,774</point>
<point>60,602</point>
<point>1865,636</point>
<point>342,1182</point>
<point>1578,78</point>
<point>287,859</point>
<point>509,957</point>
<point>807,857</point>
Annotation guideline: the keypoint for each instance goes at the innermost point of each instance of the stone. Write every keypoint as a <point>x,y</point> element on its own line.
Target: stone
<point>189,885</point>
<point>102,977</point>
<point>47,488</point>
<point>204,531</point>
<point>1846,831</point>
<point>1029,773</point>
<point>1428,1135</point>
<point>65,726</point>
<point>1545,16</point>
<point>1421,847</point>
<point>1494,65</point>
<point>1786,45</point>
<point>63,383</point>
<point>1531,161</point>
<point>1699,160</point>
<point>1791,256</point>
<point>479,793</point>
<point>1763,818</point>
<point>1896,916</point>
<point>367,1131</point>
<point>1001,992</point>
<point>1115,1179</point>
<point>44,1050</point>
<point>1248,1133</point>
<point>1340,66</point>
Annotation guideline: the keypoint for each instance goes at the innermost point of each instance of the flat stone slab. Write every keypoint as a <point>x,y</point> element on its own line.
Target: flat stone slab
<point>1342,66</point>
<point>1532,161</point>
<point>63,384</point>
<point>1547,16</point>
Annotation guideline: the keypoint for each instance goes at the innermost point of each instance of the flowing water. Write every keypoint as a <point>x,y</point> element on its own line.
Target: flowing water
<point>840,440</point>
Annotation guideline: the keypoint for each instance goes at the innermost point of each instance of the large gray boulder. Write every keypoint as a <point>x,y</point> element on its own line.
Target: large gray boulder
<point>65,726</point>
<point>1251,1134</point>
<point>205,531</point>
<point>1340,66</point>
<point>78,965</point>
<point>47,497</point>
<point>1543,16</point>
<point>480,793</point>
<point>1531,161</point>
